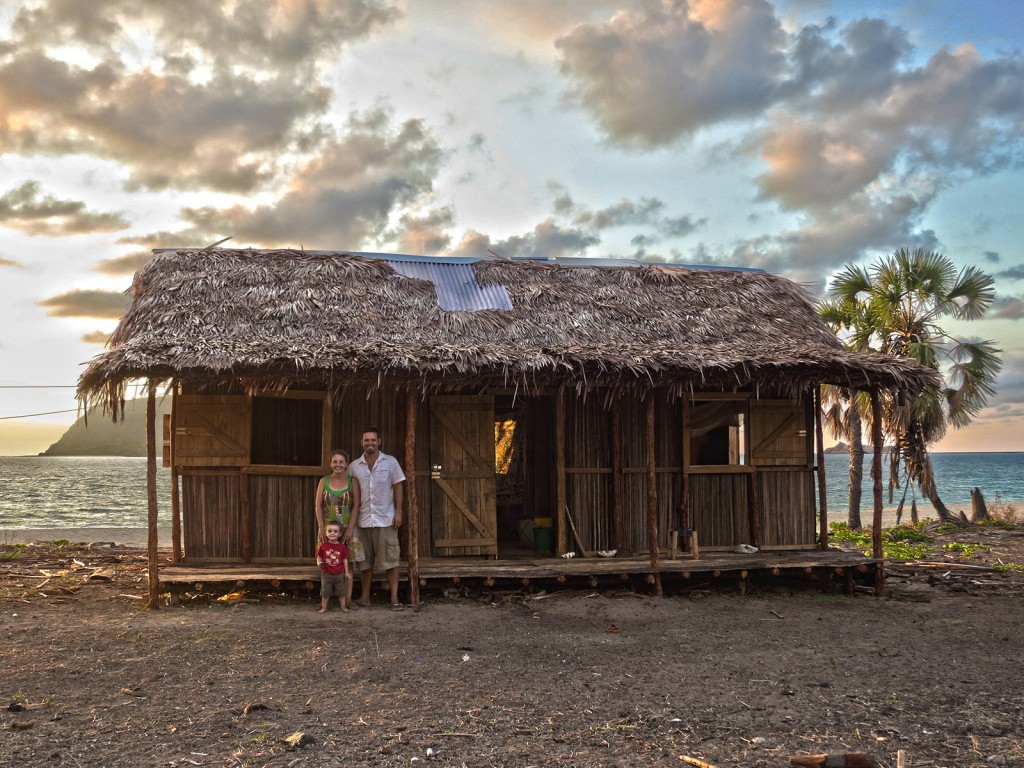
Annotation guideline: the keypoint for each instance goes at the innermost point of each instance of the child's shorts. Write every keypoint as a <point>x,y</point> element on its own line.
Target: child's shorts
<point>332,584</point>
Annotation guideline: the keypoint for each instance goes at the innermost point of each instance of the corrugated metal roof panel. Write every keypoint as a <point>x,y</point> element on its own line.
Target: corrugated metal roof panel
<point>455,284</point>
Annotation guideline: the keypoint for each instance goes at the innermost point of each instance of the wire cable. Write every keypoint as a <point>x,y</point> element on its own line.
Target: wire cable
<point>45,413</point>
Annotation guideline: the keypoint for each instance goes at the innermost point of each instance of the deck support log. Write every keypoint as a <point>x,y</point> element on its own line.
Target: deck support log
<point>819,439</point>
<point>153,568</point>
<point>876,478</point>
<point>413,514</point>
<point>652,495</point>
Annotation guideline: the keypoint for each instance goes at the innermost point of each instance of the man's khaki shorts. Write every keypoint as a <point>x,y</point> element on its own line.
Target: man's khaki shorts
<point>381,547</point>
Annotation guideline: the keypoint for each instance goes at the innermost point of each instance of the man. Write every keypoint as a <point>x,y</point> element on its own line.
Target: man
<point>380,481</point>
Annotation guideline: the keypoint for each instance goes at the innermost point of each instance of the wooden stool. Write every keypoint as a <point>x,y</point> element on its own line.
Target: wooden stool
<point>673,539</point>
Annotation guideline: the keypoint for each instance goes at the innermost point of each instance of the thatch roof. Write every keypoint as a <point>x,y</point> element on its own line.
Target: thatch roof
<point>279,318</point>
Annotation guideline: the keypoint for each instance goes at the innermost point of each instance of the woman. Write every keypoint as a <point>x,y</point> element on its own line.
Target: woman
<point>336,496</point>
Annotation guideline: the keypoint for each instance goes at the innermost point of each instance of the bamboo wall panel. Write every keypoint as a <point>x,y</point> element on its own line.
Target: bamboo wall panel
<point>787,508</point>
<point>211,516</point>
<point>588,495</point>
<point>355,410</point>
<point>719,505</point>
<point>283,519</point>
<point>778,433</point>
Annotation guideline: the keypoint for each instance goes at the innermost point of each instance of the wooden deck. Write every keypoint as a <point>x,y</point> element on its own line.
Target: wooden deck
<point>590,571</point>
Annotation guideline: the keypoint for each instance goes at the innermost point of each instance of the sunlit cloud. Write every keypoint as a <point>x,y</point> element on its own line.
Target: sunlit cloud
<point>96,337</point>
<point>103,305</point>
<point>26,209</point>
<point>854,137</point>
<point>653,75</point>
<point>1007,308</point>
<point>344,197</point>
<point>196,113</point>
<point>11,263</point>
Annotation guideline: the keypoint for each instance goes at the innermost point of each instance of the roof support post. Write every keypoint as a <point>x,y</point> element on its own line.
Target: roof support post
<point>876,479</point>
<point>175,493</point>
<point>820,458</point>
<point>561,502</point>
<point>652,494</point>
<point>617,539</point>
<point>151,558</point>
<point>412,515</point>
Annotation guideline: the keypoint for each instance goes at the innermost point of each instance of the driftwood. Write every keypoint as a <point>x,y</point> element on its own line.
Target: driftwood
<point>695,761</point>
<point>979,510</point>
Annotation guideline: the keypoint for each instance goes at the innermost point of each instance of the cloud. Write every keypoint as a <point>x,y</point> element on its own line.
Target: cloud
<point>1007,308</point>
<point>548,240</point>
<point>104,305</point>
<point>992,257</point>
<point>199,113</point>
<point>11,263</point>
<point>426,234</point>
<point>856,137</point>
<point>26,210</point>
<point>1015,272</point>
<point>646,212</point>
<point>96,337</point>
<point>656,74</point>
<point>345,197</point>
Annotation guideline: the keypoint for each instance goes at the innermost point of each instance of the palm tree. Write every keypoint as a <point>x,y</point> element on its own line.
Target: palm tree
<point>846,408</point>
<point>895,307</point>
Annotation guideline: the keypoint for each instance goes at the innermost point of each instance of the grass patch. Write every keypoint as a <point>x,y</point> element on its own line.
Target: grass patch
<point>967,550</point>
<point>902,542</point>
<point>11,551</point>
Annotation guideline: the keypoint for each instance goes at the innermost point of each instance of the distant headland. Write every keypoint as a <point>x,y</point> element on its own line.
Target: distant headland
<point>105,437</point>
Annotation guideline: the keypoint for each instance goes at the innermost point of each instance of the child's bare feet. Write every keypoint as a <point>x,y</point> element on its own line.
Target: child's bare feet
<point>322,610</point>
<point>344,609</point>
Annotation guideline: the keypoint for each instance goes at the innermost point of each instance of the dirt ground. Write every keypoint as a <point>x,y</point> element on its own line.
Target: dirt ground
<point>500,678</point>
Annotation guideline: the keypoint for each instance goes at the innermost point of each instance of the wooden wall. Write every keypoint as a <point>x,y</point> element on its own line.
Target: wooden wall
<point>281,522</point>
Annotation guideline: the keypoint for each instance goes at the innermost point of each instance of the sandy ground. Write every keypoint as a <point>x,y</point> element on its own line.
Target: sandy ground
<point>127,537</point>
<point>510,677</point>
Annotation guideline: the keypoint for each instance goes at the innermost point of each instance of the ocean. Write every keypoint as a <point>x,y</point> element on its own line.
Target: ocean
<point>110,492</point>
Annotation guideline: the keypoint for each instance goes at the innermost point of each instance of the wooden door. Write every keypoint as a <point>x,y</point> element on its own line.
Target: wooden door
<point>463,497</point>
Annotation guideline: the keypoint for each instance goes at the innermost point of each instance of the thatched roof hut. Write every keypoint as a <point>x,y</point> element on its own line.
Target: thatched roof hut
<point>485,369</point>
<point>275,317</point>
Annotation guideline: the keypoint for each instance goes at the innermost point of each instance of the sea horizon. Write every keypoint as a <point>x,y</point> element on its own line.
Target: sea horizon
<point>111,491</point>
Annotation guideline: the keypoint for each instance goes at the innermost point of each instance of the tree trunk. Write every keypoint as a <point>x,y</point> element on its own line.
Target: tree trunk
<point>979,510</point>
<point>930,490</point>
<point>856,462</point>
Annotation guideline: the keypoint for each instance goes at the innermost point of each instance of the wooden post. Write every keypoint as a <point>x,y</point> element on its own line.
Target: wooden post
<point>243,505</point>
<point>153,542</point>
<point>618,541</point>
<point>756,537</point>
<point>684,503</point>
<point>176,551</point>
<point>560,495</point>
<point>652,495</point>
<point>412,518</point>
<point>820,441</point>
<point>876,477</point>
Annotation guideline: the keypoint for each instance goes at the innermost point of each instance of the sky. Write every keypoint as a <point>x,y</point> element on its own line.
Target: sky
<point>797,136</point>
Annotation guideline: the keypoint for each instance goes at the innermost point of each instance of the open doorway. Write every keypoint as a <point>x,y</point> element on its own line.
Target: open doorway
<point>524,471</point>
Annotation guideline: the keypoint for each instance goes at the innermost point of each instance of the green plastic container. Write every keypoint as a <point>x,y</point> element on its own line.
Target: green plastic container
<point>543,539</point>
